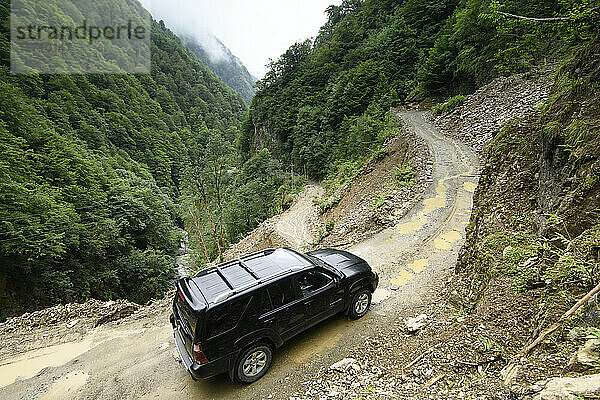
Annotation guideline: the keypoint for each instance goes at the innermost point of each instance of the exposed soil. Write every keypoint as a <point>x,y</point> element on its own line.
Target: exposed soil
<point>374,200</point>
<point>295,228</point>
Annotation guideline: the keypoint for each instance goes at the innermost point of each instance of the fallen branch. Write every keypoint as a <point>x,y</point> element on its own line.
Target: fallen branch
<point>557,324</point>
<point>416,360</point>
<point>544,19</point>
<point>510,370</point>
<point>468,364</point>
<point>433,381</point>
<point>550,19</point>
<point>480,363</point>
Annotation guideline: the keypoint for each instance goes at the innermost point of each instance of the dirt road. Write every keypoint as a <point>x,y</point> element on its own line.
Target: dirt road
<point>295,224</point>
<point>136,359</point>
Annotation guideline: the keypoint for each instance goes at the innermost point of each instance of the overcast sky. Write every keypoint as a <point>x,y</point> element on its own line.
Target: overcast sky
<point>254,30</point>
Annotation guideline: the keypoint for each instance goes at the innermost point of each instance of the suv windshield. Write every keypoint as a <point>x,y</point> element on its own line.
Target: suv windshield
<point>322,264</point>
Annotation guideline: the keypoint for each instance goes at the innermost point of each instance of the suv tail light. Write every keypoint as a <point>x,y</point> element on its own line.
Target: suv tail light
<point>198,355</point>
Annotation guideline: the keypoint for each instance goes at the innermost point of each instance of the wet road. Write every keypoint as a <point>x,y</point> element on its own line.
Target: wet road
<point>135,360</point>
<point>412,256</point>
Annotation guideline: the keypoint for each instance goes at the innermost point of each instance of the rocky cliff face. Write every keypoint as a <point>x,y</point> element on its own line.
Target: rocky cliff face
<point>536,209</point>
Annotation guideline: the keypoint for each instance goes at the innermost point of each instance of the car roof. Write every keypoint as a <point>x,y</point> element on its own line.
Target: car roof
<point>226,280</point>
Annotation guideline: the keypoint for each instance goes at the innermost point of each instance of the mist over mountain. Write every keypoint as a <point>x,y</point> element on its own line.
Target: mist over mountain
<point>216,56</point>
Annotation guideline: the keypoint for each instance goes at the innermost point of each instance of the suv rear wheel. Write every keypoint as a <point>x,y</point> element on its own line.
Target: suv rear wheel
<point>361,301</point>
<point>253,364</point>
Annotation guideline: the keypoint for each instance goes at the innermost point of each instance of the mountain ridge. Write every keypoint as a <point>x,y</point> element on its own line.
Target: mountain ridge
<point>225,64</point>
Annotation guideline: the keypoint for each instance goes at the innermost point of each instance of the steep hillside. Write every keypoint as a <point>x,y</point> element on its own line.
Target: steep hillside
<point>223,63</point>
<point>324,102</point>
<point>537,209</point>
<point>533,242</point>
<point>91,167</point>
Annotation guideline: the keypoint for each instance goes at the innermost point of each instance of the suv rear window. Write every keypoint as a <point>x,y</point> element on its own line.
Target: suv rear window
<point>225,317</point>
<point>282,293</point>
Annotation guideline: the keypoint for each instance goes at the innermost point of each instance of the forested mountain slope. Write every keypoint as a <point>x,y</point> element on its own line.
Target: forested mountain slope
<point>90,169</point>
<point>227,66</point>
<point>324,101</point>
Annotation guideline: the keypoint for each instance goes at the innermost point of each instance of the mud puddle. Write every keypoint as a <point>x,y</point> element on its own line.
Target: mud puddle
<point>30,364</point>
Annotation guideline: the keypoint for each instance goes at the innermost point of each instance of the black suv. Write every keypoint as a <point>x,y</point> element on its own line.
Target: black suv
<point>231,318</point>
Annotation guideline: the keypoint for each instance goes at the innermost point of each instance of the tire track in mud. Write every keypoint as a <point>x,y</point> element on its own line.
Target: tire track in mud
<point>433,231</point>
<point>294,224</point>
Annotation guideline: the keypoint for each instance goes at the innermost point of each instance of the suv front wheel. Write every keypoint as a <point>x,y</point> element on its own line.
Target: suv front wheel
<point>361,301</point>
<point>253,364</point>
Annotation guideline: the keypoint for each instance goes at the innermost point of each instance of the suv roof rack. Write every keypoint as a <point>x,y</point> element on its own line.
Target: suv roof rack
<point>240,261</point>
<point>224,296</point>
<point>225,280</point>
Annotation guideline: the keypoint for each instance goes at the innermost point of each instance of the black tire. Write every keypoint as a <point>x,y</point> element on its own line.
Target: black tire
<point>253,364</point>
<point>360,304</point>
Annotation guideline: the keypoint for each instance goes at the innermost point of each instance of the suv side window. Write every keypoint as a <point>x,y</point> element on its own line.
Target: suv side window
<point>225,317</point>
<point>313,281</point>
<point>260,305</point>
<point>282,293</point>
<point>265,302</point>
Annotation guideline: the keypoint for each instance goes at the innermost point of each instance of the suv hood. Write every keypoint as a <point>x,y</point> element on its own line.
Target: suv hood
<point>347,263</point>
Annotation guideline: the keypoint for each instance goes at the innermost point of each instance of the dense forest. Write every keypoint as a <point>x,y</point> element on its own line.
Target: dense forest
<point>96,172</point>
<point>227,66</point>
<point>324,101</point>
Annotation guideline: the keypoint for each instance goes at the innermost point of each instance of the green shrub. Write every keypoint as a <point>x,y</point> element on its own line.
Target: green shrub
<point>380,154</point>
<point>327,203</point>
<point>449,105</point>
<point>341,173</point>
<point>404,175</point>
<point>380,199</point>
<point>329,226</point>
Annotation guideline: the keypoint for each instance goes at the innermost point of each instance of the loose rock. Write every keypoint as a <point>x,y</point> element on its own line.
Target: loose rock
<point>416,324</point>
<point>570,388</point>
<point>345,365</point>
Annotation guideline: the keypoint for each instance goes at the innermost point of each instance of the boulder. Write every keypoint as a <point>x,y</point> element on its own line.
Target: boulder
<point>346,365</point>
<point>570,388</point>
<point>587,356</point>
<point>416,324</point>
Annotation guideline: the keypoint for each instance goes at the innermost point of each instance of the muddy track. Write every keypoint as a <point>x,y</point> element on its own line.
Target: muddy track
<point>414,259</point>
<point>294,224</point>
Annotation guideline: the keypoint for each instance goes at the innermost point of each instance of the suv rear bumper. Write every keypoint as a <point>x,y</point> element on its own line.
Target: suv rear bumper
<point>197,371</point>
